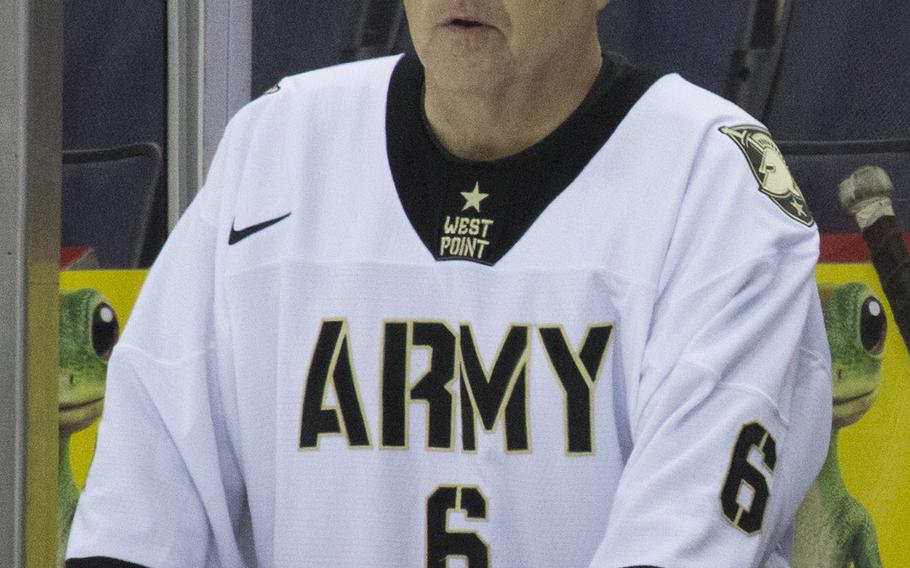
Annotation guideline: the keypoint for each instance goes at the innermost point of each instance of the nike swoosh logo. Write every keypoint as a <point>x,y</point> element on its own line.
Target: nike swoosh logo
<point>238,235</point>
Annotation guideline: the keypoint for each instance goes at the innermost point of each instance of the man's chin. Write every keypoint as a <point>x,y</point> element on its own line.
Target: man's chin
<point>474,73</point>
<point>454,53</point>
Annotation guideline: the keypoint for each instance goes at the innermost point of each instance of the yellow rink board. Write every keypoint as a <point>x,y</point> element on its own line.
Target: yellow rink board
<point>874,452</point>
<point>120,287</point>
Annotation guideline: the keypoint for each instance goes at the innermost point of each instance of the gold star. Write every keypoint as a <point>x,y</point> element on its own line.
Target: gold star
<point>473,198</point>
<point>796,204</point>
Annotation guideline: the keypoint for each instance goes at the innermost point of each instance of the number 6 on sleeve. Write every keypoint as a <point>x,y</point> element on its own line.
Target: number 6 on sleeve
<point>748,519</point>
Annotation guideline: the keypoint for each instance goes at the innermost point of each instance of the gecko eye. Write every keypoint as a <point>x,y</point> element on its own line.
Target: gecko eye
<point>105,330</point>
<point>872,325</point>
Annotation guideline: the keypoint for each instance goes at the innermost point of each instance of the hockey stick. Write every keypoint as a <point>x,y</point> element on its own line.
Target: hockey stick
<point>866,195</point>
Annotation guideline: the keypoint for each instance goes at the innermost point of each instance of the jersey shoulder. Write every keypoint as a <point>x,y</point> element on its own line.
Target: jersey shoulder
<point>351,76</point>
<point>309,116</point>
<point>323,95</point>
<point>727,140</point>
<point>675,100</point>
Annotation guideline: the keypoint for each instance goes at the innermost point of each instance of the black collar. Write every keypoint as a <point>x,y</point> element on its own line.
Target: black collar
<point>477,211</point>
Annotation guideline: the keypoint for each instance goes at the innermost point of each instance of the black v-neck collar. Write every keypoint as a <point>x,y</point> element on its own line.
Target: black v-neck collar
<point>477,211</point>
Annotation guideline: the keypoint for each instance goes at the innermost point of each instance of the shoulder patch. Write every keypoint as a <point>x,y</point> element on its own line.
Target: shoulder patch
<point>770,170</point>
<point>273,89</point>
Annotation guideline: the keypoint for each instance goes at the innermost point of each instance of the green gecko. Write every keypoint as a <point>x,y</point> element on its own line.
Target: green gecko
<point>833,529</point>
<point>88,331</point>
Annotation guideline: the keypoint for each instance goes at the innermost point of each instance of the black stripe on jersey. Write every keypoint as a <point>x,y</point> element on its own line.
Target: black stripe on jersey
<point>100,562</point>
<point>508,194</point>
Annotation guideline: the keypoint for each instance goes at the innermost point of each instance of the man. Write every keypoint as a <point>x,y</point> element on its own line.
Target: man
<point>514,305</point>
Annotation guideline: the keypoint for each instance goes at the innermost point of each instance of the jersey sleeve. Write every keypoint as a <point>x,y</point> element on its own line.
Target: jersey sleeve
<point>731,414</point>
<point>164,488</point>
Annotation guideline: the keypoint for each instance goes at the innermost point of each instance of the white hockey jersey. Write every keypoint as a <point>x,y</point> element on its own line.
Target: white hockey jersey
<point>358,351</point>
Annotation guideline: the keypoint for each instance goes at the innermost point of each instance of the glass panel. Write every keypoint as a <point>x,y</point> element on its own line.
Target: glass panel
<point>114,95</point>
<point>290,37</point>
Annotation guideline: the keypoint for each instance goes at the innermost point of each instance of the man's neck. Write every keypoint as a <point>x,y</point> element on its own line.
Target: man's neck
<point>506,119</point>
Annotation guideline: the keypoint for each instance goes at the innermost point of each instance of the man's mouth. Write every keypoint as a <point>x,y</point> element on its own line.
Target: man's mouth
<point>465,24</point>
